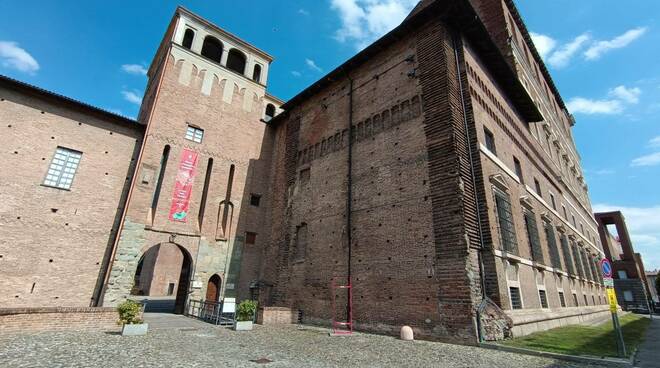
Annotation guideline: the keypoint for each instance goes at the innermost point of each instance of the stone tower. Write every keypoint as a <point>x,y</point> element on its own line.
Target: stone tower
<point>199,190</point>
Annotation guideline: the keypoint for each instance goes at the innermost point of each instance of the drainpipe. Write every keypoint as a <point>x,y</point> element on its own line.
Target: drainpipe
<point>482,277</point>
<point>349,197</point>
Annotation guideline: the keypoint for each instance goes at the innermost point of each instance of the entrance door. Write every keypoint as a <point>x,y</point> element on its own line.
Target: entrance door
<point>213,289</point>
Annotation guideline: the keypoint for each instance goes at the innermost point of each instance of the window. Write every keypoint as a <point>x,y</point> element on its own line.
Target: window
<point>518,168</point>
<point>270,112</point>
<point>490,141</point>
<point>250,238</point>
<point>205,193</point>
<point>212,49</point>
<point>622,274</point>
<point>578,260</point>
<point>562,300</point>
<point>194,134</point>
<point>256,73</point>
<point>533,237</point>
<point>188,38</point>
<point>567,255</point>
<point>552,201</point>
<point>159,182</point>
<point>62,168</point>
<point>552,245</point>
<point>627,296</point>
<point>544,299</point>
<point>573,220</point>
<point>537,186</point>
<point>575,300</point>
<point>170,289</point>
<point>564,210</point>
<point>593,299</point>
<point>516,301</point>
<point>301,241</point>
<point>507,227</point>
<point>255,199</point>
<point>236,61</point>
<point>586,301</point>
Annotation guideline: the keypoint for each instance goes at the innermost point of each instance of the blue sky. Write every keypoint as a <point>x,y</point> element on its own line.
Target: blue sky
<point>603,55</point>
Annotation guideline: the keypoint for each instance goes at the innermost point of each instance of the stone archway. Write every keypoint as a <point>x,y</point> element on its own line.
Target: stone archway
<point>162,278</point>
<point>213,288</point>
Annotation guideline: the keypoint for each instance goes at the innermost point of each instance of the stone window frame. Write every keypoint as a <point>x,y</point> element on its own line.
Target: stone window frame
<point>541,287</point>
<point>512,239</point>
<point>194,133</point>
<point>513,283</point>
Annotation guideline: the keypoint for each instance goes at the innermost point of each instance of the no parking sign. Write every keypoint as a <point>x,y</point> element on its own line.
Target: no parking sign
<point>606,267</point>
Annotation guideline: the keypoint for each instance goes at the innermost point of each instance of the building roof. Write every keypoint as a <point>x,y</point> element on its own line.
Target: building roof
<point>459,14</point>
<point>30,89</point>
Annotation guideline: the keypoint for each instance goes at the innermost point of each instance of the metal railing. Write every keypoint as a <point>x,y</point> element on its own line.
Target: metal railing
<point>210,312</point>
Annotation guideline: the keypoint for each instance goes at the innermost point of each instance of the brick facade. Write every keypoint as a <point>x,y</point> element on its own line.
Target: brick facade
<point>30,320</point>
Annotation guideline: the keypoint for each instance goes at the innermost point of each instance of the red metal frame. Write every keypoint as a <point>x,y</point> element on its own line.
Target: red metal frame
<point>339,327</point>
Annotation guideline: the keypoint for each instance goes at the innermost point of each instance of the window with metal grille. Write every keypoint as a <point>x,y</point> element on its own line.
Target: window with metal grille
<point>544,299</point>
<point>62,168</point>
<point>570,268</point>
<point>578,261</point>
<point>516,301</point>
<point>552,245</point>
<point>505,217</point>
<point>588,271</point>
<point>533,237</point>
<point>490,141</point>
<point>194,134</point>
<point>562,300</point>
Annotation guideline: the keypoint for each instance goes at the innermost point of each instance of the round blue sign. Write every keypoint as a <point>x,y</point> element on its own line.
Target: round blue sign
<point>606,267</point>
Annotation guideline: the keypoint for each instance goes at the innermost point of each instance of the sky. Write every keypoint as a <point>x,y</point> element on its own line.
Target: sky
<point>603,55</point>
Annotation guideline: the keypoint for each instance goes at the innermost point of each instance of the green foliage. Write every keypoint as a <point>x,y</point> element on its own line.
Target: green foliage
<point>129,312</point>
<point>246,310</point>
<point>597,341</point>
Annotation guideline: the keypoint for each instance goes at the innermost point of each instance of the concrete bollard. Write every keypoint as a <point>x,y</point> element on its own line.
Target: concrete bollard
<point>406,333</point>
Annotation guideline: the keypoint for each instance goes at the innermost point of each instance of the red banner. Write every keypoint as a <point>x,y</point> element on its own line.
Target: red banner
<point>185,177</point>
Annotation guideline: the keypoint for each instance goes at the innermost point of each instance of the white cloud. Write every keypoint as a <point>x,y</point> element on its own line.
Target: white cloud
<point>312,65</point>
<point>544,44</point>
<point>629,95</point>
<point>134,69</point>
<point>652,159</point>
<point>604,172</point>
<point>619,97</point>
<point>296,73</point>
<point>15,57</point>
<point>655,142</point>
<point>644,227</point>
<point>363,21</point>
<point>132,96</point>
<point>562,56</point>
<point>581,105</point>
<point>601,47</point>
<point>303,12</point>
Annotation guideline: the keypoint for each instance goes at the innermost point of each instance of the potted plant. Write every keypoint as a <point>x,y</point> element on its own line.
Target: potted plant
<point>129,317</point>
<point>245,315</point>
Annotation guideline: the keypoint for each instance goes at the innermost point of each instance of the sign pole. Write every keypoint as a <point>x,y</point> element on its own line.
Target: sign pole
<point>606,267</point>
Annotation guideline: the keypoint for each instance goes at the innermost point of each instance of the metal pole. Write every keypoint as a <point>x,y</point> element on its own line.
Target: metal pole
<point>620,344</point>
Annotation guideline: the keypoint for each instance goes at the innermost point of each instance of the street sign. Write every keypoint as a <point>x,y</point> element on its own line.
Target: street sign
<point>606,267</point>
<point>611,296</point>
<point>608,282</point>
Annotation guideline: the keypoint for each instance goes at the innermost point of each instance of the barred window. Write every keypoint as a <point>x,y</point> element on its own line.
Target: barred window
<point>516,301</point>
<point>62,168</point>
<point>570,268</point>
<point>578,261</point>
<point>588,271</point>
<point>562,300</point>
<point>505,217</point>
<point>544,299</point>
<point>552,245</point>
<point>533,237</point>
<point>575,300</point>
<point>194,134</point>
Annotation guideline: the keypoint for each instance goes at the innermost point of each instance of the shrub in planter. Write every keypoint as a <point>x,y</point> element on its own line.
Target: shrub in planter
<point>245,315</point>
<point>129,318</point>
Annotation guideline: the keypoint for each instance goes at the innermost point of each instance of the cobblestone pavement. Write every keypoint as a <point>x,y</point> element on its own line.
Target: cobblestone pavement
<point>210,346</point>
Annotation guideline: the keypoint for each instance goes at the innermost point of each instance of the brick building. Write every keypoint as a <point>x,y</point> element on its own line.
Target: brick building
<point>435,171</point>
<point>632,288</point>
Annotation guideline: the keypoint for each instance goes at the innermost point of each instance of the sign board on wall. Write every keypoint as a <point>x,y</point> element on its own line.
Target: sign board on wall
<point>611,297</point>
<point>185,177</point>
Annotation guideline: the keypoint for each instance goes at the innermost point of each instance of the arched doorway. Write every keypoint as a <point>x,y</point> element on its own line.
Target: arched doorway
<point>162,278</point>
<point>213,288</point>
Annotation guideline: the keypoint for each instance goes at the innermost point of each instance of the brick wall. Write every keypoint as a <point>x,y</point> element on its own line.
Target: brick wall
<point>28,320</point>
<point>53,242</point>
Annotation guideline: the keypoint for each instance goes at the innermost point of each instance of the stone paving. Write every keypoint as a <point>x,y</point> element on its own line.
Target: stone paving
<point>281,346</point>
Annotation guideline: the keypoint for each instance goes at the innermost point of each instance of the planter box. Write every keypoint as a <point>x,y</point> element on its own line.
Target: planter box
<point>243,326</point>
<point>135,330</point>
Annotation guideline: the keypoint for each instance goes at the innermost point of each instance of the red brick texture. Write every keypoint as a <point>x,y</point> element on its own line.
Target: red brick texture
<point>29,320</point>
